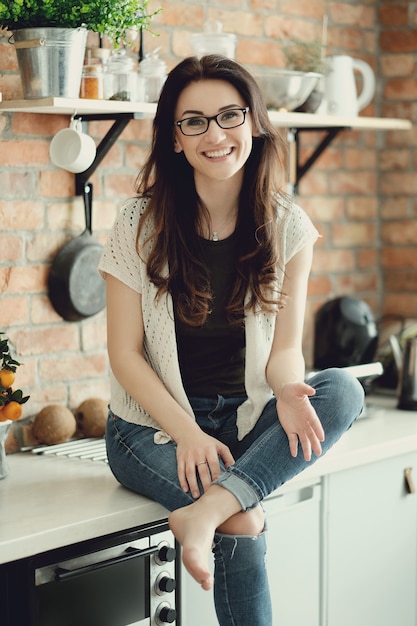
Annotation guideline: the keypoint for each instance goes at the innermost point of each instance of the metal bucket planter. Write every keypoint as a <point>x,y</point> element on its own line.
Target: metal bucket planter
<point>50,61</point>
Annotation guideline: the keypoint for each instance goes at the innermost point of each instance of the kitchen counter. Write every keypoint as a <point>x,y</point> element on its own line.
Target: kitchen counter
<point>47,502</point>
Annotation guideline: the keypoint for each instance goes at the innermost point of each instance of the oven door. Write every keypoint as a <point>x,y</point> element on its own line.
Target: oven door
<point>129,583</point>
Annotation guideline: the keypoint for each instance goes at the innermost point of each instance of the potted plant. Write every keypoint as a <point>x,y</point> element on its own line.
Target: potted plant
<point>51,34</point>
<point>11,399</point>
<point>307,57</point>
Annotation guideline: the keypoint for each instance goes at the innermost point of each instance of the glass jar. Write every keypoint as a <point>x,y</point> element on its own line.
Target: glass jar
<point>92,82</point>
<point>214,41</point>
<point>154,71</point>
<point>121,81</point>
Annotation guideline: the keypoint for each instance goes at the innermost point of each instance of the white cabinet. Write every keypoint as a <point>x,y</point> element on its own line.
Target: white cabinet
<point>369,545</point>
<point>293,520</point>
<point>293,557</point>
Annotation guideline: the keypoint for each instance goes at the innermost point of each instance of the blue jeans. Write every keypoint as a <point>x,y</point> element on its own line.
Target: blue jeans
<point>262,463</point>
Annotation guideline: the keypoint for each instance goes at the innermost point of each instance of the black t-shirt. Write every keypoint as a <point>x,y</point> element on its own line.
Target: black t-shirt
<point>212,356</point>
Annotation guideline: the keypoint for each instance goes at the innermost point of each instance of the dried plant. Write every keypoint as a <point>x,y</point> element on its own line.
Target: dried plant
<point>305,56</point>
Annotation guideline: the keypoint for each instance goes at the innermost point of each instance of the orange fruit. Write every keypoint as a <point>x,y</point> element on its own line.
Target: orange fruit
<point>6,378</point>
<point>11,411</point>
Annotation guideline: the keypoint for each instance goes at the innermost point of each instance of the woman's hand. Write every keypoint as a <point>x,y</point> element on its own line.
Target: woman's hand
<point>299,419</point>
<point>198,455</point>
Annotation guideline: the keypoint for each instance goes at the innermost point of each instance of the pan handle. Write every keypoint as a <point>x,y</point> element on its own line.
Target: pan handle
<point>88,206</point>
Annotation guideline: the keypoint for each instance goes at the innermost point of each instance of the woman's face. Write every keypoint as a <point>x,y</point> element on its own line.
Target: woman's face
<point>218,154</point>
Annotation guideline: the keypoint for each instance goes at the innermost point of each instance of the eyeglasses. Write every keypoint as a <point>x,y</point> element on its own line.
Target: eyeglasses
<point>199,125</point>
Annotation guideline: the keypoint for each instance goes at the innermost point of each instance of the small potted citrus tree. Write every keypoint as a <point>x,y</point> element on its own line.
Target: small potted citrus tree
<point>50,36</point>
<point>11,399</point>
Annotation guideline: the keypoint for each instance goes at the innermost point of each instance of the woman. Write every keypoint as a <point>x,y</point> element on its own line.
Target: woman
<point>206,274</point>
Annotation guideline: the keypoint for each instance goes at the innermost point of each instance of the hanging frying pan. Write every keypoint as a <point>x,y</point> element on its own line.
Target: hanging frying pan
<point>76,289</point>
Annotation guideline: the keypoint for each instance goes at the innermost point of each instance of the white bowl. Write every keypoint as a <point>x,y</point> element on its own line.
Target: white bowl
<point>285,89</point>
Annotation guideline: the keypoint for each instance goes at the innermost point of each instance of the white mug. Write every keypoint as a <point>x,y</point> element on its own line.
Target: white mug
<point>71,149</point>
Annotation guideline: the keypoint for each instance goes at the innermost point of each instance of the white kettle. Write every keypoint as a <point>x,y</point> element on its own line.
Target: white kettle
<point>340,92</point>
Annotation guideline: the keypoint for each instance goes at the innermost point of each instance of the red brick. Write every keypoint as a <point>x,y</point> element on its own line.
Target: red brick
<point>402,232</point>
<point>360,182</point>
<point>318,286</point>
<point>399,257</point>
<point>11,248</point>
<point>394,207</point>
<point>352,14</point>
<point>390,160</point>
<point>401,89</point>
<point>304,8</point>
<point>23,279</point>
<point>398,40</point>
<point>392,15</point>
<point>403,304</point>
<point>19,153</point>
<point>361,207</point>
<point>367,259</point>
<point>14,311</point>
<point>8,56</point>
<point>326,261</point>
<point>42,341</point>
<point>397,65</point>
<point>73,368</point>
<point>244,23</point>
<point>356,158</point>
<point>38,124</point>
<point>353,234</point>
<point>21,215</point>
<point>399,183</point>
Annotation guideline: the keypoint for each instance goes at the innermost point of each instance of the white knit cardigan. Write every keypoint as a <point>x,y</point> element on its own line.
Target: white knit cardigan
<point>120,259</point>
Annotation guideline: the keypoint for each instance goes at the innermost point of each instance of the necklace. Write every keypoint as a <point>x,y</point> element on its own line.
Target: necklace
<point>215,236</point>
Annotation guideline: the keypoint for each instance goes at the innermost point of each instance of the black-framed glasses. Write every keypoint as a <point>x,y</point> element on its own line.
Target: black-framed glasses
<point>199,124</point>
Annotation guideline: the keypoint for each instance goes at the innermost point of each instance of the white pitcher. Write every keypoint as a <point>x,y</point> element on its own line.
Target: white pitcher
<point>340,92</point>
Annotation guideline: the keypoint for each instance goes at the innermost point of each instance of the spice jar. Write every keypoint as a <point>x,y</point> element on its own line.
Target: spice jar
<point>92,82</point>
<point>154,71</point>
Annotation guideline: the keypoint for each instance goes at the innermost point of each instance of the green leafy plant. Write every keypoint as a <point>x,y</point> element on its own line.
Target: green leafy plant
<point>10,399</point>
<point>305,56</point>
<point>106,17</point>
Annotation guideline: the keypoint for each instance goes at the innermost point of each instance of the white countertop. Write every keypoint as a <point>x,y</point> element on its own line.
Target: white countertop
<point>47,501</point>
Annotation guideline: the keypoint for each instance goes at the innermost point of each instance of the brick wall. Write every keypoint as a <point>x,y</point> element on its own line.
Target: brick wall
<point>361,193</point>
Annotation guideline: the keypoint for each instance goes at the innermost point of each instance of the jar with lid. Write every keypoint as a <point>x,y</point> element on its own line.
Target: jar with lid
<point>214,41</point>
<point>154,71</point>
<point>92,82</point>
<point>121,77</point>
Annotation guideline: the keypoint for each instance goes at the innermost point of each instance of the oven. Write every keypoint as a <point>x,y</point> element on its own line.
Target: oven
<point>128,578</point>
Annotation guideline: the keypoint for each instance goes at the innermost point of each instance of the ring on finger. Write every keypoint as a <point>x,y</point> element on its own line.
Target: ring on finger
<point>201,463</point>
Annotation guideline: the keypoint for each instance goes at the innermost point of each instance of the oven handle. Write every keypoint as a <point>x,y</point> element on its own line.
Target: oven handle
<point>62,574</point>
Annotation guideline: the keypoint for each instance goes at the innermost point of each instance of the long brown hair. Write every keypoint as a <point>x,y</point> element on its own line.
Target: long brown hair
<point>174,208</point>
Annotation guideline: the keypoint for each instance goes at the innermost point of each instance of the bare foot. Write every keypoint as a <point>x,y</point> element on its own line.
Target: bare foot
<point>195,532</point>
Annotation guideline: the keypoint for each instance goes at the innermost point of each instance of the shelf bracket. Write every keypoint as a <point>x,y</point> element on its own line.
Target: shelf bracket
<point>121,120</point>
<point>297,170</point>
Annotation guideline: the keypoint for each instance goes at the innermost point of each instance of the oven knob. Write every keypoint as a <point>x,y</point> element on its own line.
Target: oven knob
<point>165,614</point>
<point>164,583</point>
<point>166,554</point>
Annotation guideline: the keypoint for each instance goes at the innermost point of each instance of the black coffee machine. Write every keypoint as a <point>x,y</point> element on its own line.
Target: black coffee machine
<point>345,334</point>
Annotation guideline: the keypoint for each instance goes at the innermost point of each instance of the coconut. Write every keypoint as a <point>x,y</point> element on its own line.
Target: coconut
<point>54,424</point>
<point>91,417</point>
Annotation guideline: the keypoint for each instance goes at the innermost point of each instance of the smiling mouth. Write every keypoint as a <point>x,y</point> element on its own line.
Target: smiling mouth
<point>216,154</point>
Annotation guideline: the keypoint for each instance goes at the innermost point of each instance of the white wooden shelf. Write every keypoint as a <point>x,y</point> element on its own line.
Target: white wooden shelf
<point>68,106</point>
<point>121,112</point>
<point>80,106</point>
